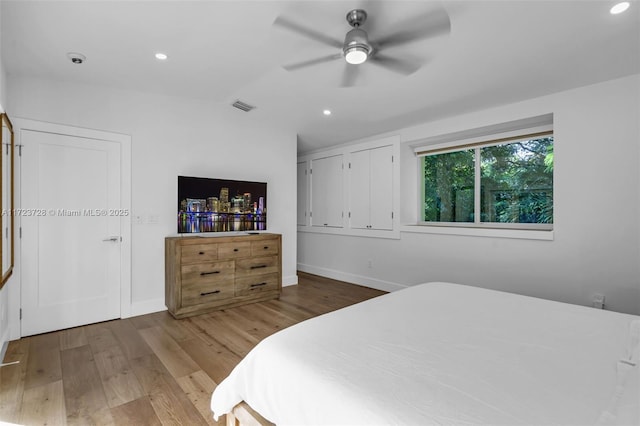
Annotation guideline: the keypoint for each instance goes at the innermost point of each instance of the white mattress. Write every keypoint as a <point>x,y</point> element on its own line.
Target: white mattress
<point>442,353</point>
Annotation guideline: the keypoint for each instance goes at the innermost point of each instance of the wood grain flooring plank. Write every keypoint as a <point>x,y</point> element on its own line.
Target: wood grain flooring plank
<point>169,352</point>
<point>119,383</point>
<point>136,412</point>
<point>198,387</point>
<point>213,358</point>
<point>258,321</point>
<point>100,336</point>
<point>129,338</point>
<point>295,312</point>
<point>12,379</point>
<point>72,338</point>
<point>44,405</point>
<point>84,396</point>
<point>216,328</point>
<point>43,365</point>
<point>146,321</point>
<point>169,402</point>
<point>177,329</point>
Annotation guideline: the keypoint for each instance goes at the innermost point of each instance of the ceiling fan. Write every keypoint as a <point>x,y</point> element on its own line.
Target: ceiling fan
<point>357,49</point>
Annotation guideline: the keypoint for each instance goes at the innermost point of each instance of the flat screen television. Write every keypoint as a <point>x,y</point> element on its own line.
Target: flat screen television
<point>221,205</point>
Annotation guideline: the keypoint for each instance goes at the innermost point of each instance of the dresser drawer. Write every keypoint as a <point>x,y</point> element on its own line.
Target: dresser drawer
<point>256,284</point>
<point>234,250</point>
<point>207,291</point>
<point>256,266</point>
<point>207,272</point>
<point>195,253</point>
<point>264,247</point>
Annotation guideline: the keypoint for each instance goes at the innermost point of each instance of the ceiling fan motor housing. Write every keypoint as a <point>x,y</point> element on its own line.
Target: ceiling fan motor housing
<point>357,38</point>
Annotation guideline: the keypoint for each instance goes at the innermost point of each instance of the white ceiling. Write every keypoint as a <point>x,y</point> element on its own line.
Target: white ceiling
<point>496,52</point>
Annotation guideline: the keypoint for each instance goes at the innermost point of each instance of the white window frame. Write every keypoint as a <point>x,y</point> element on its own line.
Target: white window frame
<point>452,143</point>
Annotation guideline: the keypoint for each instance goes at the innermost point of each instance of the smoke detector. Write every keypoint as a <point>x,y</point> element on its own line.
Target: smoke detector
<point>76,58</point>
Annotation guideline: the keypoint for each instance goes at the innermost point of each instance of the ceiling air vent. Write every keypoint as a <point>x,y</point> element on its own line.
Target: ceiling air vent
<point>243,106</point>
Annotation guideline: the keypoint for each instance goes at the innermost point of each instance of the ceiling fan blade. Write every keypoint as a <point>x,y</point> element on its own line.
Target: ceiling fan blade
<point>396,65</point>
<point>306,32</point>
<point>349,75</point>
<point>310,62</point>
<point>431,24</point>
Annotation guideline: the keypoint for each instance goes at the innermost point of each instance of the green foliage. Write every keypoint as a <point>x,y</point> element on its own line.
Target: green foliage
<point>516,184</point>
<point>448,187</point>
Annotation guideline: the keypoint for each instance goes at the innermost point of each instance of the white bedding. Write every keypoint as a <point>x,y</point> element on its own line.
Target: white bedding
<point>442,353</point>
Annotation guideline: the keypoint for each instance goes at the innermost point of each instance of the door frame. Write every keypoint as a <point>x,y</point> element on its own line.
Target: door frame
<point>15,282</point>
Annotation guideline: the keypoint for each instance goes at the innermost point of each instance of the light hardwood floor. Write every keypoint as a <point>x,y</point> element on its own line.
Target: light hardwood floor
<point>151,369</point>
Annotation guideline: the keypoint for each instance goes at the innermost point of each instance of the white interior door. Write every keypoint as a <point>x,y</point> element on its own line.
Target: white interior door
<point>70,219</point>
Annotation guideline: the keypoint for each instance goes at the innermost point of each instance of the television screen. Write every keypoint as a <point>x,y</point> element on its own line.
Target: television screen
<point>220,205</point>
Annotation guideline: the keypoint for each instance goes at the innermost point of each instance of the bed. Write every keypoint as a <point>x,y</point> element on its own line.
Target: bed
<point>443,353</point>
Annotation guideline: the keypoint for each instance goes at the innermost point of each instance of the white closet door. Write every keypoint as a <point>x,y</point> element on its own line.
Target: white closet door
<point>327,191</point>
<point>302,194</point>
<point>359,190</point>
<point>381,188</point>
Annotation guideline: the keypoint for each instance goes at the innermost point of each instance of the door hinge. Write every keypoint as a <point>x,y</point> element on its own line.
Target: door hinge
<point>349,214</point>
<point>349,165</point>
<point>392,158</point>
<point>20,313</point>
<point>391,215</point>
<point>310,171</point>
<point>20,232</point>
<point>19,150</point>
<point>310,214</point>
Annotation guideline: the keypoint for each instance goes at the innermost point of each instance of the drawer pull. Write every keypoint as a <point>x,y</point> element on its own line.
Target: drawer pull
<point>266,247</point>
<point>201,253</point>
<point>209,273</point>
<point>235,249</point>
<point>258,266</point>
<point>210,292</point>
<point>257,285</point>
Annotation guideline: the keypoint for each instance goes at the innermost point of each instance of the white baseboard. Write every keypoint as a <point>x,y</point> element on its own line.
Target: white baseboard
<point>5,343</point>
<point>290,280</point>
<point>351,278</point>
<point>147,307</point>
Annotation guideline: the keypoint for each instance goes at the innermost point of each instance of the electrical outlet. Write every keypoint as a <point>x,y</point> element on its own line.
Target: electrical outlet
<point>138,220</point>
<point>598,301</point>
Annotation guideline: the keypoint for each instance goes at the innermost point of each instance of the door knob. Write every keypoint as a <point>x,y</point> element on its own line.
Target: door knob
<point>113,239</point>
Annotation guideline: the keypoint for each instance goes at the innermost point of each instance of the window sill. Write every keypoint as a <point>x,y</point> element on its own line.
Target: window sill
<point>523,234</point>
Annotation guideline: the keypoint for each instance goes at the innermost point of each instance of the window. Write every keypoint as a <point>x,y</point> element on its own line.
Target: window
<point>499,184</point>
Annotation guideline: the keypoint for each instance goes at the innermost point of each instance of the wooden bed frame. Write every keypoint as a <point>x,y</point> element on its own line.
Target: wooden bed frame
<point>243,415</point>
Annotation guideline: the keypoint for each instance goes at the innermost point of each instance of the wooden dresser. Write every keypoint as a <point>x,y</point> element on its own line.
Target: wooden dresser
<point>203,274</point>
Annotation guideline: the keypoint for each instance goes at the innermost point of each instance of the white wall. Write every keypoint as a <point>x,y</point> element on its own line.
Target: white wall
<point>4,303</point>
<point>173,136</point>
<point>596,245</point>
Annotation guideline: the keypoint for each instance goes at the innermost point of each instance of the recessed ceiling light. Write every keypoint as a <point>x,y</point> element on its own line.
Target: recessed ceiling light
<point>327,112</point>
<point>619,8</point>
<point>161,56</point>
